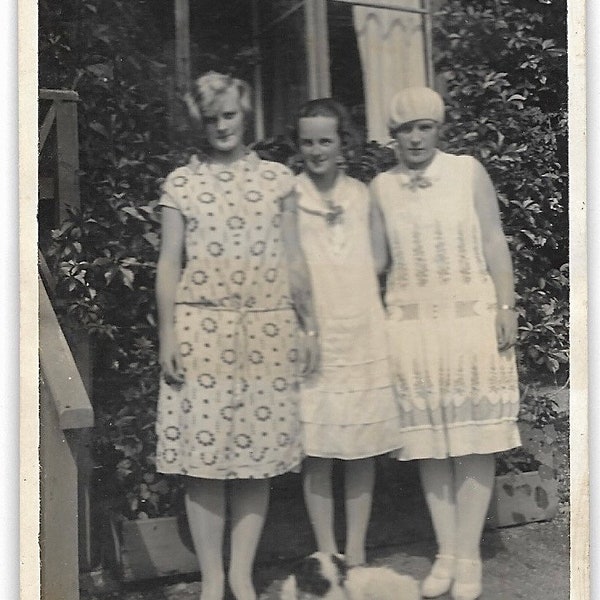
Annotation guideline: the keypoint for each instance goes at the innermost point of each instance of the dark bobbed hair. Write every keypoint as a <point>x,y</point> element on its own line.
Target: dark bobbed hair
<point>328,107</point>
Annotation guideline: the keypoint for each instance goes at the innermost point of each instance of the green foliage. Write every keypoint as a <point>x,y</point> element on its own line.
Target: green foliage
<point>126,445</point>
<point>540,425</point>
<point>104,256</point>
<point>506,92</point>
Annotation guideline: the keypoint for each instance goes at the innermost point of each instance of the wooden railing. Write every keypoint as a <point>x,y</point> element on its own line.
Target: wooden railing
<point>66,414</point>
<point>60,122</point>
<point>65,418</point>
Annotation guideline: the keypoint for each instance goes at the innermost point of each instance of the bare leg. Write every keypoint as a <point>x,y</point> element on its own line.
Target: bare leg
<point>474,477</point>
<point>359,482</point>
<point>437,480</point>
<point>318,496</point>
<point>249,504</point>
<point>205,506</point>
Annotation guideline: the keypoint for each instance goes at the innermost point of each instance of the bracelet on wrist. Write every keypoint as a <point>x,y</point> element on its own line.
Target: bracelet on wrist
<point>507,307</point>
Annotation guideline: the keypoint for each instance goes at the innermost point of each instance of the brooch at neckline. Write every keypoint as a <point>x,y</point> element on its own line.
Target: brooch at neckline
<point>416,180</point>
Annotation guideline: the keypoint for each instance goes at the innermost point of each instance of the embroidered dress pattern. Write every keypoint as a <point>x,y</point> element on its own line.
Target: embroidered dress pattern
<point>236,415</point>
<point>458,394</point>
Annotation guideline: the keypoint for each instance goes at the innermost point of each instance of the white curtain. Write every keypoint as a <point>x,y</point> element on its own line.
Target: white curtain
<point>393,56</point>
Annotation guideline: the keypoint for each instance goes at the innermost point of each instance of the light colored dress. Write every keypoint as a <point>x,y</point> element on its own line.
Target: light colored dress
<point>458,394</point>
<point>236,416</point>
<point>348,409</point>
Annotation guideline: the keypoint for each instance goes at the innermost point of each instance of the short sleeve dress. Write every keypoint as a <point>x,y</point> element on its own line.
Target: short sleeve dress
<point>459,395</point>
<point>236,415</point>
<point>348,409</point>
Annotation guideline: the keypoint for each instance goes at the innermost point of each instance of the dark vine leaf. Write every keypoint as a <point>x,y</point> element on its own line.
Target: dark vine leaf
<point>98,128</point>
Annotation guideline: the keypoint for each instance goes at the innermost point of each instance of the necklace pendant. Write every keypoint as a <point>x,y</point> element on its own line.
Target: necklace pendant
<point>334,216</point>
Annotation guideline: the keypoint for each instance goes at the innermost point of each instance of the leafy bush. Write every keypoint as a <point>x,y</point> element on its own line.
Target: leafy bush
<point>506,91</point>
<point>538,423</point>
<point>510,114</point>
<point>105,254</point>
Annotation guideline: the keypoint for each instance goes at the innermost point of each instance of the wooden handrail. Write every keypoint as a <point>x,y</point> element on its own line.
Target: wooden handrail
<point>45,94</point>
<point>59,371</point>
<point>45,274</point>
<point>62,117</point>
<point>46,126</point>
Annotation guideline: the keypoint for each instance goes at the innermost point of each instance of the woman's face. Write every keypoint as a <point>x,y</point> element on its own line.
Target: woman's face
<point>320,145</point>
<point>417,142</point>
<point>224,126</point>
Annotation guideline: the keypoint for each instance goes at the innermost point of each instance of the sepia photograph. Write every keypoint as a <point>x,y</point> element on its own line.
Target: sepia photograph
<point>306,275</point>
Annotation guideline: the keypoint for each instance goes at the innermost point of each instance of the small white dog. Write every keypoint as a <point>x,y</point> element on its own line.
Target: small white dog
<point>327,577</point>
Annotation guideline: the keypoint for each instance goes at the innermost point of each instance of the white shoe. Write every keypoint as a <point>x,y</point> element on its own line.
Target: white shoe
<point>440,577</point>
<point>467,584</point>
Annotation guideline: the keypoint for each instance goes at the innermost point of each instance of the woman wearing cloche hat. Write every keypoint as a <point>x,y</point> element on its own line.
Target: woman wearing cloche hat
<point>452,322</point>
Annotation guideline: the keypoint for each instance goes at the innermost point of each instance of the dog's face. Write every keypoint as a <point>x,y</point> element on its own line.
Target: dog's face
<point>327,577</point>
<point>319,575</point>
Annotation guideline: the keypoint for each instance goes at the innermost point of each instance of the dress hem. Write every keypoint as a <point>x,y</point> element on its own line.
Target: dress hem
<point>484,438</point>
<point>360,456</point>
<point>354,441</point>
<point>293,468</point>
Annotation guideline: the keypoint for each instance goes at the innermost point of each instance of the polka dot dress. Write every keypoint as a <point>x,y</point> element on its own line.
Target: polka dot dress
<point>236,415</point>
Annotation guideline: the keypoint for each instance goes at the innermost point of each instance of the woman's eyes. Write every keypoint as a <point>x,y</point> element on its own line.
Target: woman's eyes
<point>408,129</point>
<point>321,142</point>
<point>212,119</point>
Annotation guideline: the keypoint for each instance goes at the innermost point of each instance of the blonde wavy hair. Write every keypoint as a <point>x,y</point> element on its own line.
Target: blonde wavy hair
<point>207,90</point>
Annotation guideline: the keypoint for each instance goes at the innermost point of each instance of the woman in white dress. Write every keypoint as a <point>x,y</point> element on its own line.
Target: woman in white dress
<point>452,323</point>
<point>348,409</point>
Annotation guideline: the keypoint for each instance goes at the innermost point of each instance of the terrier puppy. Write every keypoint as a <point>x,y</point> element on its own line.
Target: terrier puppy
<point>327,577</point>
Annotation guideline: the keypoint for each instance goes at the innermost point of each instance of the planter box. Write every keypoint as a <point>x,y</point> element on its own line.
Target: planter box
<point>522,498</point>
<point>148,548</point>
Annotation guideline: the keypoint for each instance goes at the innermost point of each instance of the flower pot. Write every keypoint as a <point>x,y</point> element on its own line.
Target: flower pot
<point>148,548</point>
<point>520,498</point>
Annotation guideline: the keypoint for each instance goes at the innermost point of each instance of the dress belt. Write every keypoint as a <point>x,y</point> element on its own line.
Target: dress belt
<point>433,310</point>
<point>240,344</point>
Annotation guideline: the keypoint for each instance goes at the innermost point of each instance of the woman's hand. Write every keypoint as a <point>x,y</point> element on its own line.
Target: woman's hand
<point>312,354</point>
<point>506,328</point>
<point>170,359</point>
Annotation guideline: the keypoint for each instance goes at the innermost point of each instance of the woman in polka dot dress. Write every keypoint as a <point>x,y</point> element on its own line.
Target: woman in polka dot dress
<point>229,344</point>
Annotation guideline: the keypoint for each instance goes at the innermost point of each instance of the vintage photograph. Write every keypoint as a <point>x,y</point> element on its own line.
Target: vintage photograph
<point>304,316</point>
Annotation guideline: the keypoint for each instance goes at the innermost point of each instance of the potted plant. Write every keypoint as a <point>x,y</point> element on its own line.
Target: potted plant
<point>526,484</point>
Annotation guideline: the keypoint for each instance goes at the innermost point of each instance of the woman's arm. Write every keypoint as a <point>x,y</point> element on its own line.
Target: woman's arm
<point>378,235</point>
<point>497,256</point>
<point>300,283</point>
<point>168,272</point>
